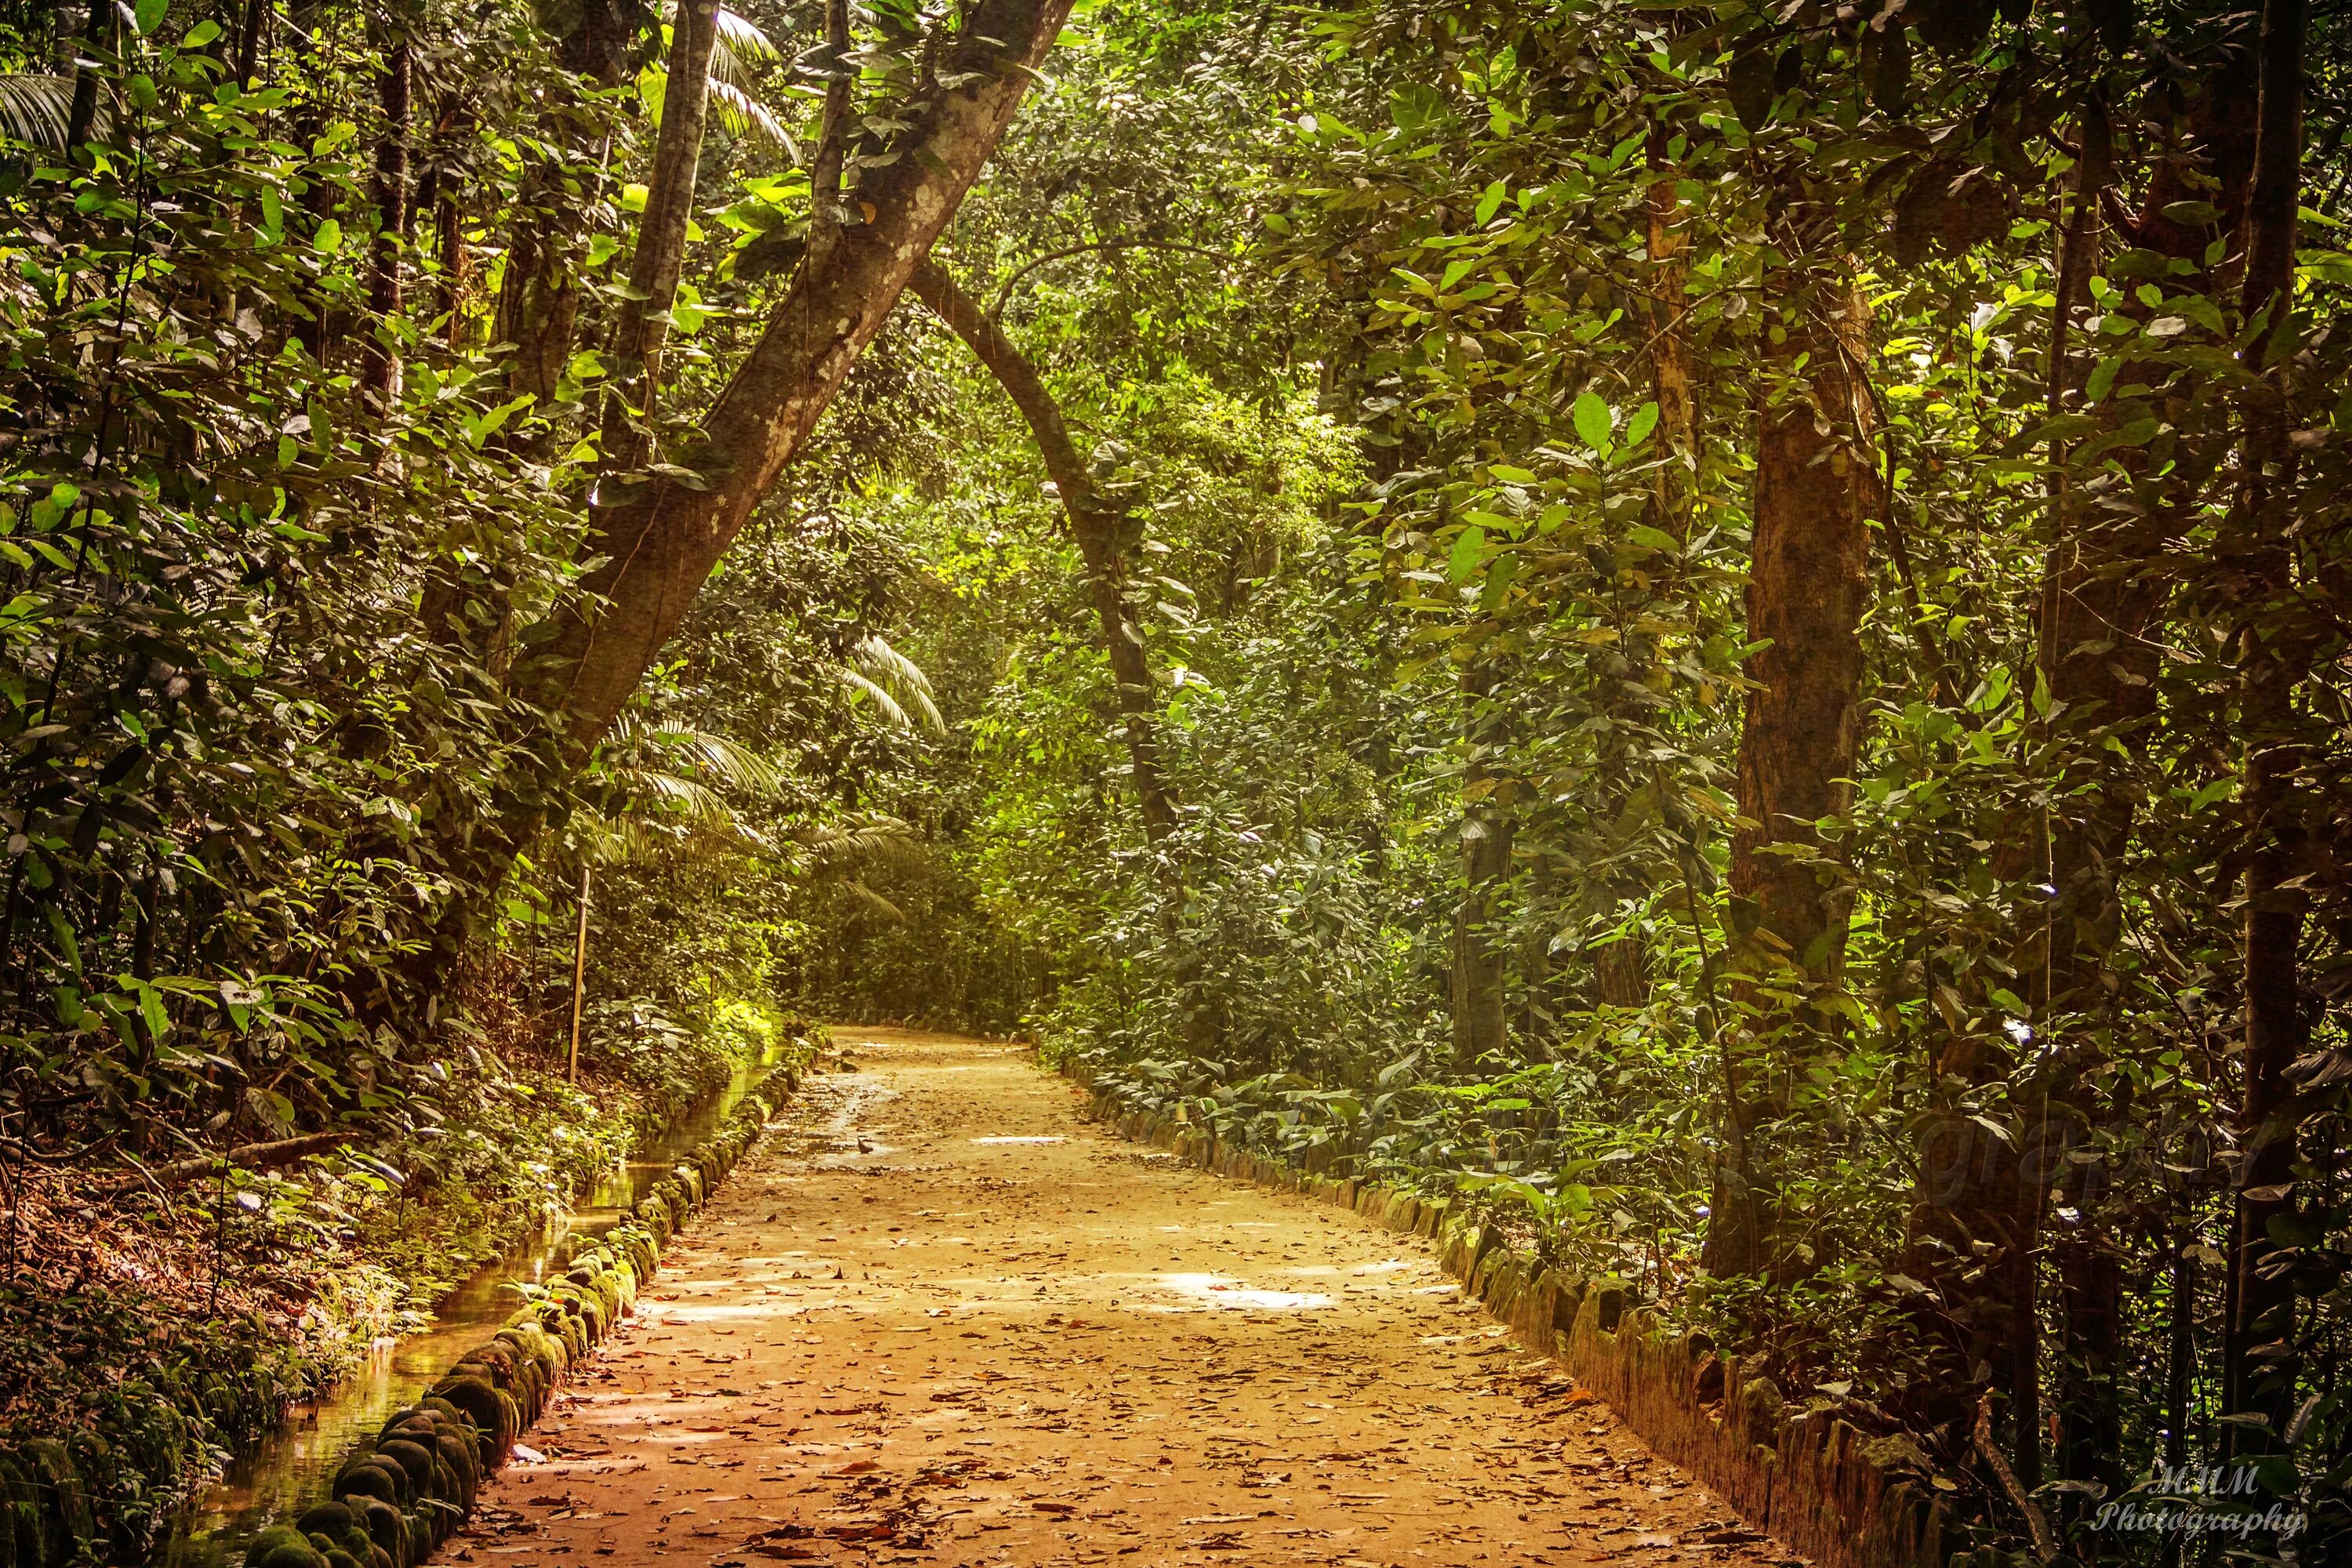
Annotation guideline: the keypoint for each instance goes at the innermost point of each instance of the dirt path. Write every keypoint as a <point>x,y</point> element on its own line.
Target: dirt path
<point>939,1318</point>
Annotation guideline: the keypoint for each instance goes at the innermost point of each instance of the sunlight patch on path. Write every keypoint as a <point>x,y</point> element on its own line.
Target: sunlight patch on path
<point>1216,1291</point>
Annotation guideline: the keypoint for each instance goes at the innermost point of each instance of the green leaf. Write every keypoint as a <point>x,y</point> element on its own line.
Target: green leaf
<point>1468,546</point>
<point>1489,203</point>
<point>1642,533</point>
<point>148,16</point>
<point>1638,428</point>
<point>329,239</point>
<point>200,35</point>
<point>1590,416</point>
<point>2103,378</point>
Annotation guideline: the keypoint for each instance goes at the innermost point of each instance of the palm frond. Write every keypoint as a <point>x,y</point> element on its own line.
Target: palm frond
<point>725,762</point>
<point>882,700</point>
<point>876,666</point>
<point>871,837</point>
<point>689,799</point>
<point>742,114</point>
<point>883,906</point>
<point>742,36</point>
<point>36,109</point>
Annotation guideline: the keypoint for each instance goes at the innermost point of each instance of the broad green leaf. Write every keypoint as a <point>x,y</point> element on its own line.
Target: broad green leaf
<point>1469,545</point>
<point>1590,417</point>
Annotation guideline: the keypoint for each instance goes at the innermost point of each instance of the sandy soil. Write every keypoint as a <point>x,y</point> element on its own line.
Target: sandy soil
<point>939,1318</point>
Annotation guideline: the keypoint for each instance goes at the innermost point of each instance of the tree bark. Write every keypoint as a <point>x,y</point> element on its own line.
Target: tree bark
<point>660,255</point>
<point>1669,354</point>
<point>388,189</point>
<point>82,113</point>
<point>1102,531</point>
<point>2260,1374</point>
<point>1481,1019</point>
<point>660,541</point>
<point>250,28</point>
<point>539,298</point>
<point>1816,486</point>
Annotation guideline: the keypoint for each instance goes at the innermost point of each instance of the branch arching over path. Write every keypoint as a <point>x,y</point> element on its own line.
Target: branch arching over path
<point>1100,529</point>
<point>660,536</point>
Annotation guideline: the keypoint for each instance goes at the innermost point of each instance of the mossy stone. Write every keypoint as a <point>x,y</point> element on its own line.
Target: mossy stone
<point>382,1479</point>
<point>481,1404</point>
<point>413,1459</point>
<point>280,1547</point>
<point>385,1528</point>
<point>464,1463</point>
<point>331,1520</point>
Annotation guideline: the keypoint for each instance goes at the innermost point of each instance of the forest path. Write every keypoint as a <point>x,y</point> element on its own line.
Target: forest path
<point>938,1318</point>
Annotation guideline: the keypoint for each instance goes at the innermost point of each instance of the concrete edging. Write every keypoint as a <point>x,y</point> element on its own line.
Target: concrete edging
<point>397,1498</point>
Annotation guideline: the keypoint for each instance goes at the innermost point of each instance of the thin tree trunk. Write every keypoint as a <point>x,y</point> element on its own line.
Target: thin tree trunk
<point>538,310</point>
<point>1481,1020</point>
<point>457,263</point>
<point>248,41</point>
<point>388,190</point>
<point>83,113</point>
<point>1102,532</point>
<point>1620,969</point>
<point>1669,354</point>
<point>660,255</point>
<point>2260,1372</point>
<point>1808,584</point>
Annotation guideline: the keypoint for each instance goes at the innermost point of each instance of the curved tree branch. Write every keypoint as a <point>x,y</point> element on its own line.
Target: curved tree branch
<point>1098,527</point>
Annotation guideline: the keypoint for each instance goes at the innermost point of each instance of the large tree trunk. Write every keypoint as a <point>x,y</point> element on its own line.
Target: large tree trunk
<point>2260,1374</point>
<point>660,542</point>
<point>1102,531</point>
<point>662,538</point>
<point>654,268</point>
<point>1816,487</point>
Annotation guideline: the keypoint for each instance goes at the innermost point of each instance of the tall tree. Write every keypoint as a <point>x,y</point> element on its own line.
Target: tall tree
<point>1476,973</point>
<point>1816,489</point>
<point>2259,1376</point>
<point>388,191</point>
<point>659,540</point>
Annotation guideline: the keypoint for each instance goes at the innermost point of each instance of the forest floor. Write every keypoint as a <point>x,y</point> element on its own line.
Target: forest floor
<point>938,1318</point>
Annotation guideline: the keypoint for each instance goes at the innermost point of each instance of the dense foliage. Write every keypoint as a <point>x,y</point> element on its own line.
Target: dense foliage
<point>1719,628</point>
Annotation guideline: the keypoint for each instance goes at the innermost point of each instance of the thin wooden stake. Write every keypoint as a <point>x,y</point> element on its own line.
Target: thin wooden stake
<point>578,973</point>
